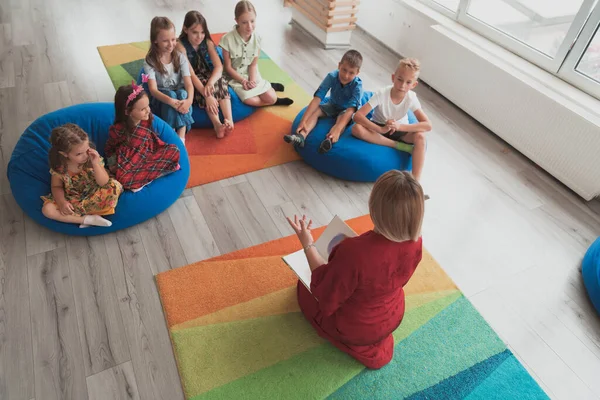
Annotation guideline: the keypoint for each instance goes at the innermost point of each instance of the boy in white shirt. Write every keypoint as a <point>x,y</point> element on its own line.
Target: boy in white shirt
<point>389,125</point>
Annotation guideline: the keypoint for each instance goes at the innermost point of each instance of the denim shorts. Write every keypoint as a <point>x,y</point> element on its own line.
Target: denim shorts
<point>331,110</point>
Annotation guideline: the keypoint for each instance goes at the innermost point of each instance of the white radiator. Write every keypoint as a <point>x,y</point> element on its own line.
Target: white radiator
<point>556,133</point>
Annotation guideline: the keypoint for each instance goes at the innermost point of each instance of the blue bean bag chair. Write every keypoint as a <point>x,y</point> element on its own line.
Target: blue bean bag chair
<point>28,170</point>
<point>239,110</point>
<point>590,270</point>
<point>350,158</point>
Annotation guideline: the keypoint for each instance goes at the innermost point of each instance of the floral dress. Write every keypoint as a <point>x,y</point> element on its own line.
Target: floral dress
<point>202,65</point>
<point>85,195</point>
<point>139,157</point>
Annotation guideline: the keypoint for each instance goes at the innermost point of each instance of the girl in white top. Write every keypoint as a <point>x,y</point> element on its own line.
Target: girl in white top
<point>389,125</point>
<point>241,50</point>
<point>169,80</point>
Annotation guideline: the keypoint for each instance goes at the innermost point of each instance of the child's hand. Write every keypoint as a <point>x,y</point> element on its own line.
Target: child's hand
<point>384,129</point>
<point>94,156</point>
<point>334,135</point>
<point>66,208</point>
<point>391,125</point>
<point>212,106</point>
<point>302,229</point>
<point>246,84</point>
<point>175,103</point>
<point>184,106</point>
<point>252,84</point>
<point>209,89</point>
<point>301,127</point>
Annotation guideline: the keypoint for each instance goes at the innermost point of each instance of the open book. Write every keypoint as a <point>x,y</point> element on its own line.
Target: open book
<point>336,231</point>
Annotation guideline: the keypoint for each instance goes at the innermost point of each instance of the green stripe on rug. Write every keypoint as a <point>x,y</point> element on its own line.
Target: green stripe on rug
<point>213,355</point>
<point>456,339</point>
<point>119,76</point>
<point>314,373</point>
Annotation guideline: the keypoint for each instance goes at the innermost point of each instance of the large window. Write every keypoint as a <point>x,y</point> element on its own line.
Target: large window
<point>561,36</point>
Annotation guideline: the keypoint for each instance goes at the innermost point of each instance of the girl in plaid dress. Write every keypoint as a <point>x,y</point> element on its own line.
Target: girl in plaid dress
<point>135,154</point>
<point>81,190</point>
<point>211,91</point>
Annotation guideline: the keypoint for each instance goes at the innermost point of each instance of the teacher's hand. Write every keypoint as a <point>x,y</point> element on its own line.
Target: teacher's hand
<point>302,229</point>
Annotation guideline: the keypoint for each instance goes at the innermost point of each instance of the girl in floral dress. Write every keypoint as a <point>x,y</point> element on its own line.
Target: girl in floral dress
<point>206,71</point>
<point>81,189</point>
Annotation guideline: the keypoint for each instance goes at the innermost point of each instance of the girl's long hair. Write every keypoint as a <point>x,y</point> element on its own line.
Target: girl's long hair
<point>62,139</point>
<point>153,57</point>
<point>192,18</point>
<point>123,110</point>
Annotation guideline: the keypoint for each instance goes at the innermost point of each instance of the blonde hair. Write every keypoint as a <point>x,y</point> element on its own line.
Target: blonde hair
<point>243,7</point>
<point>411,63</point>
<point>397,205</point>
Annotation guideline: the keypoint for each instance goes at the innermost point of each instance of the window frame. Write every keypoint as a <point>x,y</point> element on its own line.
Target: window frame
<point>568,71</point>
<point>563,65</point>
<point>551,64</point>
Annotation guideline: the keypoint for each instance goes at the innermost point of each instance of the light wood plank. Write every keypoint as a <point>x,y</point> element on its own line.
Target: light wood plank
<point>16,366</point>
<point>40,239</point>
<point>100,325</point>
<point>162,245</point>
<point>56,95</point>
<point>268,188</point>
<point>252,214</point>
<point>149,345</point>
<point>22,27</point>
<point>192,230</point>
<point>233,180</point>
<point>117,383</point>
<point>9,133</point>
<point>7,74</point>
<point>221,218</point>
<point>331,192</point>
<point>58,362</point>
<point>307,201</point>
<point>278,215</point>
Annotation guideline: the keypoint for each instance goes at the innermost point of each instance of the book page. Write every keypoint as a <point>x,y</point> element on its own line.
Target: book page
<point>336,231</point>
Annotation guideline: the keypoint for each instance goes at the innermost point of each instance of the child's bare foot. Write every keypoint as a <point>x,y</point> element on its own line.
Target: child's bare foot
<point>220,130</point>
<point>228,126</point>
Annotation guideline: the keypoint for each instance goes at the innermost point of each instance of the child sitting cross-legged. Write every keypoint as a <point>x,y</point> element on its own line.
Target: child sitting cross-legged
<point>344,100</point>
<point>389,125</point>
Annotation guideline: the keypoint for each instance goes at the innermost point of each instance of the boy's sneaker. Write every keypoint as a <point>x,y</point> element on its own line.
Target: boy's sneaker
<point>325,146</point>
<point>295,139</point>
<point>408,148</point>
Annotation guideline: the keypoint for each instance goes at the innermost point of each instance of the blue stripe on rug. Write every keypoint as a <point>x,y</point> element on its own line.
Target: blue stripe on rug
<point>454,340</point>
<point>463,383</point>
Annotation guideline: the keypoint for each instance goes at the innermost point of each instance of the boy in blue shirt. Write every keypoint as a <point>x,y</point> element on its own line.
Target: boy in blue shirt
<point>344,100</point>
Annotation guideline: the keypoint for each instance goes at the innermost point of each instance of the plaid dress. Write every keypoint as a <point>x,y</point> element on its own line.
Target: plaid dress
<point>139,157</point>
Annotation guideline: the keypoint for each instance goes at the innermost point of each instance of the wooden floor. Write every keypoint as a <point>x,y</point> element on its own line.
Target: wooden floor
<point>80,317</point>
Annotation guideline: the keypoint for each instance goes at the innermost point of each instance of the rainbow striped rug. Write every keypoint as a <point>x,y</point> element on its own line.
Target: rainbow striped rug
<point>237,333</point>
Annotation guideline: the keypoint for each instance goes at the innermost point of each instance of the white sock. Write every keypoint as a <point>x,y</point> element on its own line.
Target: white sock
<point>95,220</point>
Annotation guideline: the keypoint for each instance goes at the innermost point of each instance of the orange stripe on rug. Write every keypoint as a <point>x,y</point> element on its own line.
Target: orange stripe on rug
<point>183,299</point>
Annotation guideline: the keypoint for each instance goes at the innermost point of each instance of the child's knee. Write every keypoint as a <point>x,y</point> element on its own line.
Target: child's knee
<point>356,130</point>
<point>48,210</point>
<point>269,96</point>
<point>171,93</point>
<point>419,138</point>
<point>181,94</point>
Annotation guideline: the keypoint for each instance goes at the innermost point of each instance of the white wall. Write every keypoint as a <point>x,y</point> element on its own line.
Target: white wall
<point>549,121</point>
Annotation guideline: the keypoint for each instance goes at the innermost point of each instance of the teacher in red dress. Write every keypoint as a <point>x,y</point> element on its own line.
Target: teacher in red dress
<point>357,298</point>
